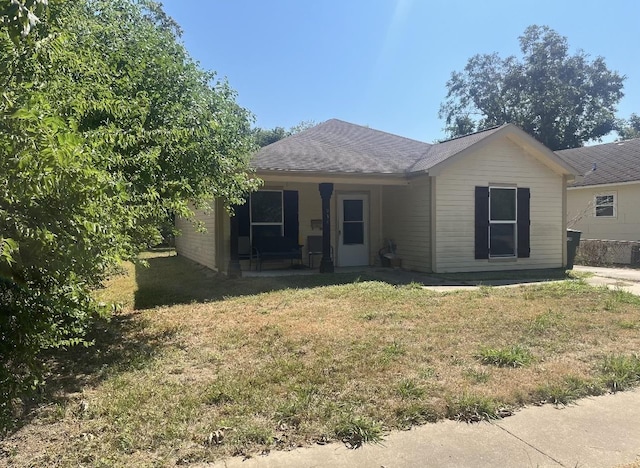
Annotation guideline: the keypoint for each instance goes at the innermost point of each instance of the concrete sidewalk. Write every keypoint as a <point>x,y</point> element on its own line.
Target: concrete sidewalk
<point>601,431</point>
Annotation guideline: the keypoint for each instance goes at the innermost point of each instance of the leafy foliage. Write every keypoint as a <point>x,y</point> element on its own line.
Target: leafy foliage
<point>265,137</point>
<point>562,100</point>
<point>107,127</point>
<point>630,128</point>
<point>18,18</point>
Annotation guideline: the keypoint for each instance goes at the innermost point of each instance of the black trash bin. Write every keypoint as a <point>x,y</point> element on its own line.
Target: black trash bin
<point>573,241</point>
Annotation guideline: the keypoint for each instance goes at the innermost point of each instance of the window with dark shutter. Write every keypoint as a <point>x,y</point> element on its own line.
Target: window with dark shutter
<point>269,213</point>
<point>266,214</point>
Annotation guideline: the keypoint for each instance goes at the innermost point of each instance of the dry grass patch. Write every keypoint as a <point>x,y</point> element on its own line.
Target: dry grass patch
<point>233,367</point>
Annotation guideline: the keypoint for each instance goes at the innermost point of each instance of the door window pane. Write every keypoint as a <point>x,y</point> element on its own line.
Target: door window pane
<point>502,240</point>
<point>503,204</point>
<point>353,233</point>
<point>266,207</point>
<point>353,210</point>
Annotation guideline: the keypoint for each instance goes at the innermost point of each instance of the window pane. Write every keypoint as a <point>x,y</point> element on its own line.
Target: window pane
<point>604,200</point>
<point>604,211</point>
<point>353,233</point>
<point>266,230</point>
<point>266,207</point>
<point>502,240</point>
<point>605,205</point>
<point>352,210</point>
<point>503,204</point>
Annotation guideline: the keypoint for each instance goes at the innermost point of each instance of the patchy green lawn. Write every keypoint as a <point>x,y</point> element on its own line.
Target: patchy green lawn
<point>195,368</point>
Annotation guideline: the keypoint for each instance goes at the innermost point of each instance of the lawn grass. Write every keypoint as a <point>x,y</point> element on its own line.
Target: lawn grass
<point>196,367</point>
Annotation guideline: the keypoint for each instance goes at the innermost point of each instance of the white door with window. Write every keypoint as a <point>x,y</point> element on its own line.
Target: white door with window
<point>353,230</point>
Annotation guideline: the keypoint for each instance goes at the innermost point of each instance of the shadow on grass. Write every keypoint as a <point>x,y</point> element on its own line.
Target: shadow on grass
<point>124,343</point>
<point>171,280</point>
<point>175,280</point>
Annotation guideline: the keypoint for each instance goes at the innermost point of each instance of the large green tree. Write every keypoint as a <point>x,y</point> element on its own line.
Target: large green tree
<point>264,137</point>
<point>562,99</point>
<point>107,126</point>
<point>629,128</point>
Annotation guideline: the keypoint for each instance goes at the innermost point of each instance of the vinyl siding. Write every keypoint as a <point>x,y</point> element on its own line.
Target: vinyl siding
<point>406,219</point>
<point>626,224</point>
<point>500,162</point>
<point>198,246</point>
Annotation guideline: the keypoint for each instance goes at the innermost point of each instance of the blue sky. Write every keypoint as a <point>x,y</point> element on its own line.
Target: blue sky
<point>385,63</point>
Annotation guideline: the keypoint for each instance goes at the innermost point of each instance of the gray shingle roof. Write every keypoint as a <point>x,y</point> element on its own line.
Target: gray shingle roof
<point>615,162</point>
<point>336,146</point>
<point>341,147</point>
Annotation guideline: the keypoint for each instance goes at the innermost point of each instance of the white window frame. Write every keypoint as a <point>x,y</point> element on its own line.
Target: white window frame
<point>252,223</point>
<point>613,204</point>
<point>513,222</point>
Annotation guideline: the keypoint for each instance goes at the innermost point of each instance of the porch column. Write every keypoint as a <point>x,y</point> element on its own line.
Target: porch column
<point>233,268</point>
<point>326,264</point>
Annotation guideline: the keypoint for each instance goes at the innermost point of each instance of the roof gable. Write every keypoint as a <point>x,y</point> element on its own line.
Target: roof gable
<point>609,163</point>
<point>469,144</point>
<point>442,151</point>
<point>340,147</point>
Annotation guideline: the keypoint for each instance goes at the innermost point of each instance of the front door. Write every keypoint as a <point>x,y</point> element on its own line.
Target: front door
<point>353,230</point>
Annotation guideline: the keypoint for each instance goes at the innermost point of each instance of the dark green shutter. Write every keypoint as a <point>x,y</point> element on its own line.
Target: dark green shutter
<point>290,208</point>
<point>244,223</point>
<point>524,223</point>
<point>482,223</point>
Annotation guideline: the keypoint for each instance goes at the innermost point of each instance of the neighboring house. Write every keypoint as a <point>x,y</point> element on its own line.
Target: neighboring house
<point>605,203</point>
<point>492,200</point>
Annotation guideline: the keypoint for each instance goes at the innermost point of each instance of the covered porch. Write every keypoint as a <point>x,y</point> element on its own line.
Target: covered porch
<point>339,219</point>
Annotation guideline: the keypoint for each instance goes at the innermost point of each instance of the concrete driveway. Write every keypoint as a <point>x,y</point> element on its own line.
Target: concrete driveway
<point>627,279</point>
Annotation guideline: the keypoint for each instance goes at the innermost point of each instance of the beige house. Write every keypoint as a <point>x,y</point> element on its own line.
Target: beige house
<point>605,203</point>
<point>492,200</point>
